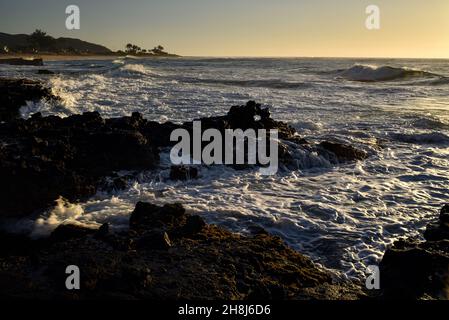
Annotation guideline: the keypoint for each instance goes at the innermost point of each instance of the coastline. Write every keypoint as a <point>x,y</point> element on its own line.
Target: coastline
<point>58,57</point>
<point>205,261</point>
<point>168,233</point>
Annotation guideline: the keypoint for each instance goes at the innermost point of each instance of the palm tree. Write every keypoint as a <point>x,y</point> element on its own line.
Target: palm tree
<point>132,49</point>
<point>158,50</point>
<point>129,48</point>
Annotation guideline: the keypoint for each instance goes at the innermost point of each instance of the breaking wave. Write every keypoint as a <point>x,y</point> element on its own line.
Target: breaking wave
<point>368,73</point>
<point>63,212</point>
<point>135,69</point>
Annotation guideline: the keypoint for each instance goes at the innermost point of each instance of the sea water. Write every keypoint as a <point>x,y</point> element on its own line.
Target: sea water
<point>342,216</point>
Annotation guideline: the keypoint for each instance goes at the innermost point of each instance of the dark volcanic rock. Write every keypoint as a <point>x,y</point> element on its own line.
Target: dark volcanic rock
<point>103,231</point>
<point>157,240</point>
<point>66,232</point>
<point>14,93</point>
<point>444,214</point>
<point>413,269</point>
<point>340,152</point>
<point>194,225</point>
<point>156,259</point>
<point>250,116</point>
<point>439,230</point>
<point>147,215</point>
<point>23,62</point>
<point>44,158</point>
<point>183,173</point>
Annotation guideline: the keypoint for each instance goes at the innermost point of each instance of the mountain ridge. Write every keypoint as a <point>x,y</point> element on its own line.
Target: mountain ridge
<point>23,43</point>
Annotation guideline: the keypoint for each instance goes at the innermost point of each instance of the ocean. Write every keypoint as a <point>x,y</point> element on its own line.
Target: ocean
<point>343,217</point>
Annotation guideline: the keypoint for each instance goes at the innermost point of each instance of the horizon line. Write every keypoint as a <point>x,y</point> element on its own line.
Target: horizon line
<point>313,57</point>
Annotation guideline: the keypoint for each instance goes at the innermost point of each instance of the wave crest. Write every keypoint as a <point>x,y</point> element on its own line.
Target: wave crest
<point>368,73</point>
<point>133,69</point>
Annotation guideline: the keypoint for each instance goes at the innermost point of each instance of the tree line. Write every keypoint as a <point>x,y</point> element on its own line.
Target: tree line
<point>136,50</point>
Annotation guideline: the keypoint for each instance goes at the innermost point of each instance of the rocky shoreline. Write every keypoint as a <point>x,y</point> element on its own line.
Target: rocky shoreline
<point>166,253</point>
<point>416,269</point>
<point>14,93</point>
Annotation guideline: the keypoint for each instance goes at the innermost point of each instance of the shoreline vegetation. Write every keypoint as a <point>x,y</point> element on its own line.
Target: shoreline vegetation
<point>41,45</point>
<point>166,254</point>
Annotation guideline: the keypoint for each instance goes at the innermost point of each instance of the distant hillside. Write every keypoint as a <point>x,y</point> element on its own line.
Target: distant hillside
<point>40,42</point>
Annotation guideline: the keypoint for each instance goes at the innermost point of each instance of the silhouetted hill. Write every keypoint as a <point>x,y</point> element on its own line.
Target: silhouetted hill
<point>24,43</point>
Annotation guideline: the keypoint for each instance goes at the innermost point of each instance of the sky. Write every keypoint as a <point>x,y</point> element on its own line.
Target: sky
<point>270,28</point>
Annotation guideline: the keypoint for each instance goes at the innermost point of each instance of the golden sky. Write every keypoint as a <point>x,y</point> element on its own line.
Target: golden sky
<point>329,28</point>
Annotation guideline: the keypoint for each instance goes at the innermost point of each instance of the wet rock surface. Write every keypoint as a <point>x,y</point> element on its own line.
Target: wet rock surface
<point>335,151</point>
<point>43,158</point>
<point>183,173</point>
<point>416,269</point>
<point>167,254</point>
<point>14,93</point>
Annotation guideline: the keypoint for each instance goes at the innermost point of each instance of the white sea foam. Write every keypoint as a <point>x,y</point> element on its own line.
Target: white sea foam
<point>135,69</point>
<point>63,212</point>
<point>343,216</point>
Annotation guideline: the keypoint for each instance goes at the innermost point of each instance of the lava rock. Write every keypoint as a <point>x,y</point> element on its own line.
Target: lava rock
<point>413,269</point>
<point>194,225</point>
<point>147,262</point>
<point>439,230</point>
<point>257,230</point>
<point>14,93</point>
<point>48,157</point>
<point>183,173</point>
<point>155,240</point>
<point>43,158</point>
<point>341,151</point>
<point>147,215</point>
<point>436,232</point>
<point>103,231</point>
<point>66,232</point>
<point>444,214</point>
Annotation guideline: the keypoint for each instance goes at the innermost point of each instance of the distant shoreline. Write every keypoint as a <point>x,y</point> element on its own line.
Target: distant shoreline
<point>63,57</point>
